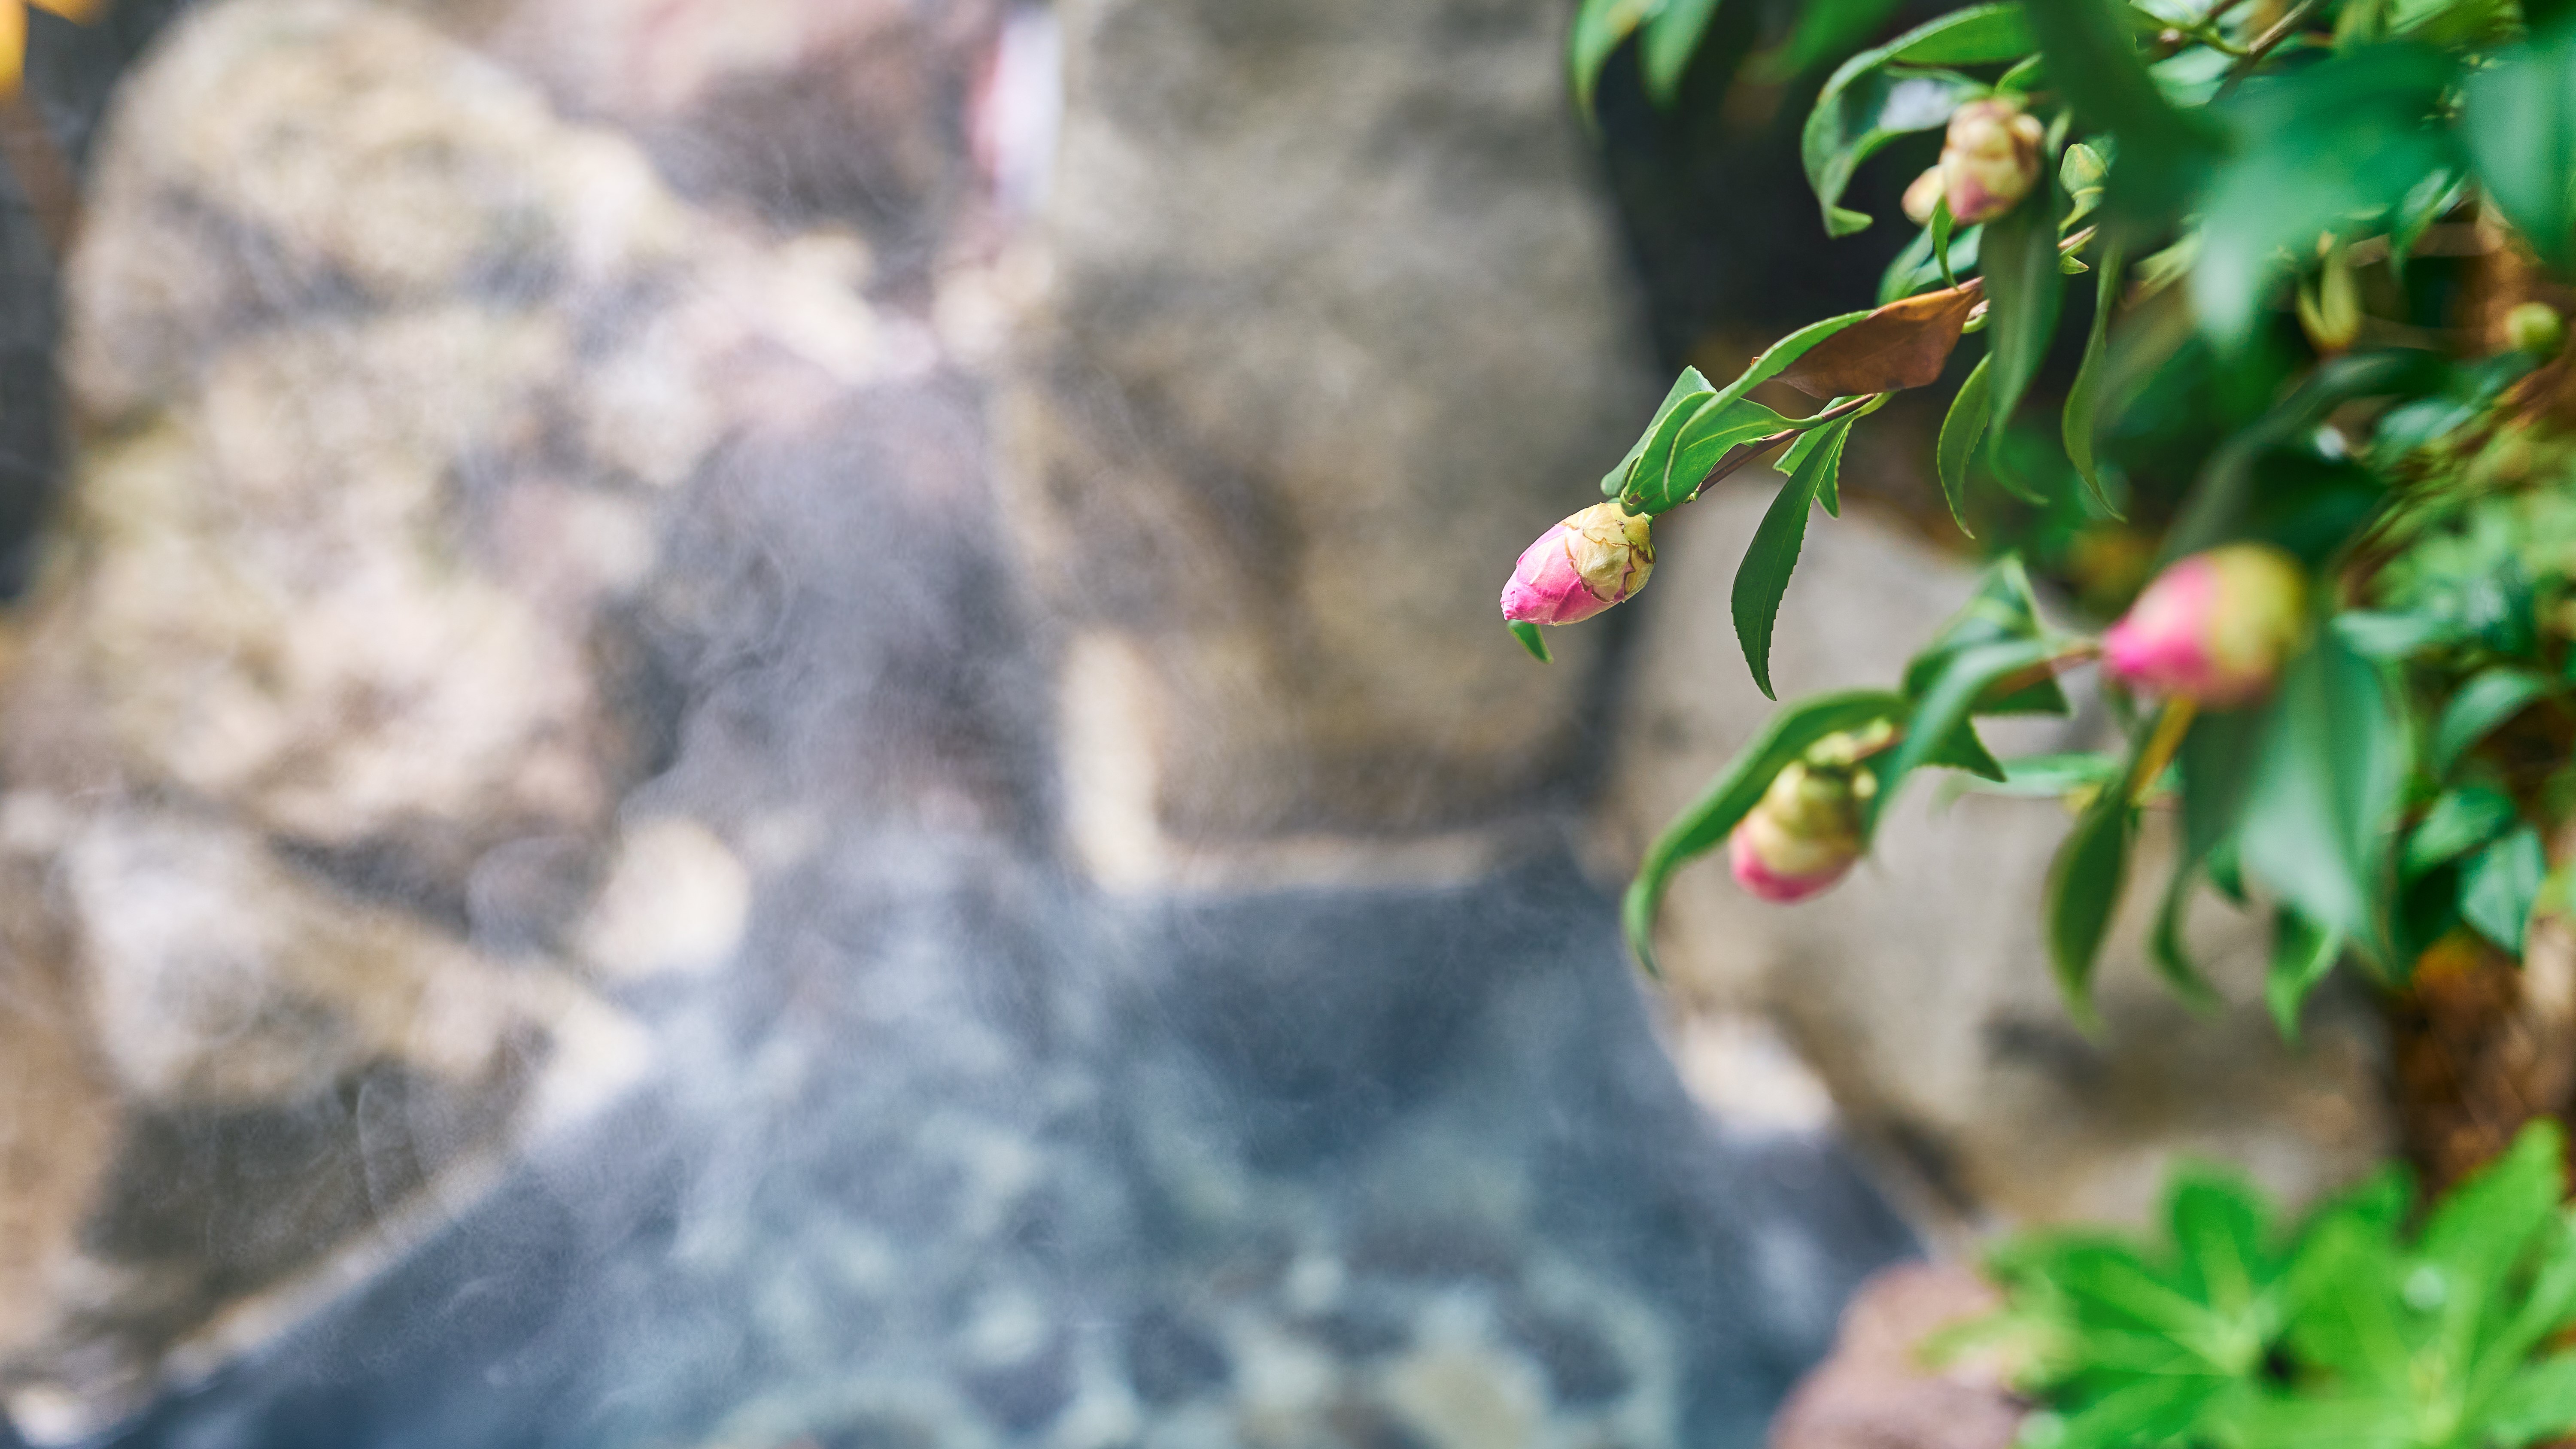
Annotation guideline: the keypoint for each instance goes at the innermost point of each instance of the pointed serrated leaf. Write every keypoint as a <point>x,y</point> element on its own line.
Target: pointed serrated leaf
<point>1772,557</point>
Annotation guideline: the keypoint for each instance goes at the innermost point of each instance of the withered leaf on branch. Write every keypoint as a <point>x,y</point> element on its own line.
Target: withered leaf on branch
<point>1902,344</point>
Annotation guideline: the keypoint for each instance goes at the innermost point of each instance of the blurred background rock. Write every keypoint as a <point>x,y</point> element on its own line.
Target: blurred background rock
<point>767,721</point>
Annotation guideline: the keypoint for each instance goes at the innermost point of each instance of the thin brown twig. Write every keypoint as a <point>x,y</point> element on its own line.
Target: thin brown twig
<point>2282,29</point>
<point>1745,453</point>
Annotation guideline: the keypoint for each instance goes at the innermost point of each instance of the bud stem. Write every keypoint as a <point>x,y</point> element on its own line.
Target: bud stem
<point>2171,726</point>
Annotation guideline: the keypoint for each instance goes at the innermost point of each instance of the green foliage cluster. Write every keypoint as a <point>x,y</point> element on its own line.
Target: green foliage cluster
<point>2286,209</point>
<point>2351,1329</point>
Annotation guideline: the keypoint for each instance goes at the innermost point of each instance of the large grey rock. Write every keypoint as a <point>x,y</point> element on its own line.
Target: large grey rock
<point>330,722</point>
<point>1919,989</point>
<point>1335,325</point>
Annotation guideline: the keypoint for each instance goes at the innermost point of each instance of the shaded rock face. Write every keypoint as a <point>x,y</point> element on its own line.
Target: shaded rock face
<point>1920,988</point>
<point>427,510</point>
<point>1277,543</point>
<point>529,817</point>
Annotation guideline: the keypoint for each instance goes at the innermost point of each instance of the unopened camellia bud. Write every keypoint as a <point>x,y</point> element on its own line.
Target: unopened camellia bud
<point>1803,836</point>
<point>1582,566</point>
<point>2536,328</point>
<point>1990,159</point>
<point>1922,196</point>
<point>2213,628</point>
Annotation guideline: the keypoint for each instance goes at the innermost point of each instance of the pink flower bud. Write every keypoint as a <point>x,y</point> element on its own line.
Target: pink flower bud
<point>1923,195</point>
<point>1802,837</point>
<point>2214,627</point>
<point>1990,159</point>
<point>1582,566</point>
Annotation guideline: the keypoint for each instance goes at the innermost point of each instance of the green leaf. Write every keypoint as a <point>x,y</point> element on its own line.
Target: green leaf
<point>1945,704</point>
<point>2459,822</point>
<point>1827,28</point>
<point>2302,953</point>
<point>2326,150</point>
<point>1672,37</point>
<point>1773,555</point>
<point>1865,105</point>
<point>2081,172</point>
<point>1961,427</point>
<point>2221,1227</point>
<point>2498,886</point>
<point>2391,636</point>
<point>2325,791</point>
<point>2165,944</point>
<point>1599,27</point>
<point>2218,759</point>
<point>2486,701</point>
<point>2084,399</point>
<point>2084,886</point>
<point>2518,125</point>
<point>2046,777</point>
<point>2002,608</point>
<point>1531,639</point>
<point>2024,290</point>
<point>1668,477</point>
<point>1778,357</point>
<point>2239,473</point>
<point>2483,1231</point>
<point>2538,1403</point>
<point>1685,387</point>
<point>2089,54</point>
<point>1736,791</point>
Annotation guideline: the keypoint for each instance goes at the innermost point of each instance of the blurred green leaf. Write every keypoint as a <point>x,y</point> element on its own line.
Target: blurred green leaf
<point>1673,34</point>
<point>1736,791</point>
<point>2459,822</point>
<point>2389,636</point>
<point>1599,27</point>
<point>2165,946</point>
<point>2302,953</point>
<point>2088,50</point>
<point>2518,126</point>
<point>2325,792</point>
<point>2498,886</point>
<point>1773,555</point>
<point>2322,151</point>
<point>2486,701</point>
<point>2003,608</point>
<point>2218,759</point>
<point>2537,1403</point>
<point>2046,777</point>
<point>2084,399</point>
<point>1945,703</point>
<point>2024,290</point>
<point>2085,882</point>
<point>1961,427</point>
<point>1827,28</point>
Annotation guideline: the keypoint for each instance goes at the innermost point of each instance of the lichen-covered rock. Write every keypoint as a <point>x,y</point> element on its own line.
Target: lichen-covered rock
<point>1920,990</point>
<point>355,645</point>
<point>1296,395</point>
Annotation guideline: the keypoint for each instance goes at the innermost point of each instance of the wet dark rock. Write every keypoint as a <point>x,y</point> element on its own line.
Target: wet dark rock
<point>1170,1358</point>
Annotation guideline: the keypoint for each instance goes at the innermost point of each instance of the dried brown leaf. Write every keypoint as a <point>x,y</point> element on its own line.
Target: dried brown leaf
<point>1901,345</point>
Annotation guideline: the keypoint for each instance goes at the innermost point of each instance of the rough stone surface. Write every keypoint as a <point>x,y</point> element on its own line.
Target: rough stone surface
<point>1334,326</point>
<point>528,857</point>
<point>350,663</point>
<point>1920,989</point>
